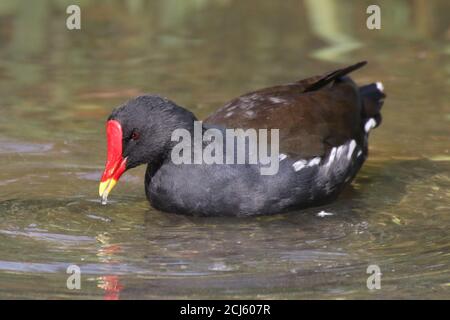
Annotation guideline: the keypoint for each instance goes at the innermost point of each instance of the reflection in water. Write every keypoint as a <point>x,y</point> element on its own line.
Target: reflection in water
<point>109,283</point>
<point>111,286</point>
<point>327,19</point>
<point>57,88</point>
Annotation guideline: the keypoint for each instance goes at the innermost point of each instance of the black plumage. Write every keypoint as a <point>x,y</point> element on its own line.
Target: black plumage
<point>324,122</point>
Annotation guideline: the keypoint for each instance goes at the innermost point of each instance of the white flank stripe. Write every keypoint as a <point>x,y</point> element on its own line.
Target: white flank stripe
<point>339,151</point>
<point>314,161</point>
<point>299,165</point>
<point>332,156</point>
<point>351,148</point>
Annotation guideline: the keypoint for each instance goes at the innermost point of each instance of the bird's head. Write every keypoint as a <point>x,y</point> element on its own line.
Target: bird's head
<point>139,132</point>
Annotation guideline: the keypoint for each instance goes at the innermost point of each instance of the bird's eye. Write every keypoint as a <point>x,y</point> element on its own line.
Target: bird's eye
<point>135,135</point>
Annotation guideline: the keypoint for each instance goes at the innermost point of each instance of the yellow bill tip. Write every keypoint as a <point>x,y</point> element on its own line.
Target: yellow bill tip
<point>105,187</point>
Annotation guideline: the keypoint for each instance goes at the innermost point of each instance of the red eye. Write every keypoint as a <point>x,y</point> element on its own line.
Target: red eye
<point>135,135</point>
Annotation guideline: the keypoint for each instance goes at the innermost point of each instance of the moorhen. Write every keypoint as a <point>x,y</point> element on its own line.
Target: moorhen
<point>323,121</point>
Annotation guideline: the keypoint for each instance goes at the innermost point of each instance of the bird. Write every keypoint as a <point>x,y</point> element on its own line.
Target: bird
<point>323,124</point>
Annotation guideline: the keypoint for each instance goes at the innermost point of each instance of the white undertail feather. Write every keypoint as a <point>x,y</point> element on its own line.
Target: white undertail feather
<point>370,124</point>
<point>380,86</point>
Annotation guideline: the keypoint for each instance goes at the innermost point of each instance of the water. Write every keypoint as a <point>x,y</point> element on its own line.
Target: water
<point>57,87</point>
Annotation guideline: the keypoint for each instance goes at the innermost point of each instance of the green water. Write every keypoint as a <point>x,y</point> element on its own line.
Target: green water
<point>57,87</point>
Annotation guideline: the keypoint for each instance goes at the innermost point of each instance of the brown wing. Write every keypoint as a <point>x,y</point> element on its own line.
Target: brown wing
<point>313,114</point>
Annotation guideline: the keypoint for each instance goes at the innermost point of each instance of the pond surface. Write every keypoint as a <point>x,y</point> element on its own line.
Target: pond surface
<point>57,87</point>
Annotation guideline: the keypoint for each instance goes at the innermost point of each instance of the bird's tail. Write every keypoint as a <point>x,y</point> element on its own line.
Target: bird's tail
<point>373,98</point>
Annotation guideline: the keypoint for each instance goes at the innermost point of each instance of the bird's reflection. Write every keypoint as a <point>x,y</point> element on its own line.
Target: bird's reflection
<point>111,285</point>
<point>106,254</point>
